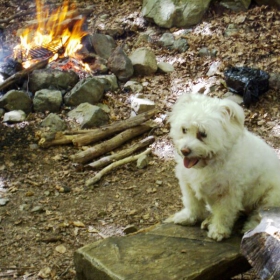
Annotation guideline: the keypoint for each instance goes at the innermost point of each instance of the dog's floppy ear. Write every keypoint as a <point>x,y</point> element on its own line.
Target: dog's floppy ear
<point>233,111</point>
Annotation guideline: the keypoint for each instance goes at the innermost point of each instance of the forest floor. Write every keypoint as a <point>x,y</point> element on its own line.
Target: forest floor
<point>50,212</point>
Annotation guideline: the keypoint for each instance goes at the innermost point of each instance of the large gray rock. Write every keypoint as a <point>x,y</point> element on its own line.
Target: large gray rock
<point>120,64</point>
<point>54,123</point>
<point>166,252</point>
<point>88,115</point>
<point>169,13</point>
<point>89,90</point>
<point>236,5</point>
<point>47,100</point>
<point>103,45</point>
<point>52,79</point>
<point>144,61</point>
<point>274,3</point>
<point>109,82</point>
<point>16,100</point>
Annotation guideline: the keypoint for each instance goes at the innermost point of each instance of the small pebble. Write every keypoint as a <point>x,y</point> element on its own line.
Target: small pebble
<point>4,201</point>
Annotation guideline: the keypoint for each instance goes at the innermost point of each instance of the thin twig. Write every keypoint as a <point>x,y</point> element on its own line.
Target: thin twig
<point>122,154</point>
<point>113,165</point>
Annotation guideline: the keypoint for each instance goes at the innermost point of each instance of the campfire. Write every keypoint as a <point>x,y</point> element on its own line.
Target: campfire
<point>52,35</point>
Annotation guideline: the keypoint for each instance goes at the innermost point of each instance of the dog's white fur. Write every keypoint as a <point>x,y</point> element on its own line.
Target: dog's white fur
<point>225,170</point>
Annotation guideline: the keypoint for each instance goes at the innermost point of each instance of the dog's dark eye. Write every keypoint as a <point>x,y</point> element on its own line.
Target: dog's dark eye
<point>201,135</point>
<point>184,130</point>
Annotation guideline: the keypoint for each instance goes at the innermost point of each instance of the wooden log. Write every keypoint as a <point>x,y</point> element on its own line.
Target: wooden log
<point>113,165</point>
<point>122,154</point>
<point>21,74</point>
<point>60,140</point>
<point>109,145</point>
<point>106,131</point>
<point>261,246</point>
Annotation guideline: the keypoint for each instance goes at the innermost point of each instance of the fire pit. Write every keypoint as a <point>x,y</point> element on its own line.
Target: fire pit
<point>53,35</point>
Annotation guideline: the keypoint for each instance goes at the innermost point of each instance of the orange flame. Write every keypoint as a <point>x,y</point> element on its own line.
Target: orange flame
<point>54,31</point>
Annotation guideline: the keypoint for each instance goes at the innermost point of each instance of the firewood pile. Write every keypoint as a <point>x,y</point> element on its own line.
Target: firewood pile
<point>120,133</point>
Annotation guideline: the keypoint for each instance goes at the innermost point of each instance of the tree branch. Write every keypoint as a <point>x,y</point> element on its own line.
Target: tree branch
<point>109,145</point>
<point>106,131</point>
<point>113,165</point>
<point>122,154</point>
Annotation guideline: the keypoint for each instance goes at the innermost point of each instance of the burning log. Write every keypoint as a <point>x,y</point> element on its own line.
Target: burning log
<point>122,154</point>
<point>113,165</point>
<point>56,33</point>
<point>106,131</point>
<point>21,74</point>
<point>111,144</point>
<point>261,246</point>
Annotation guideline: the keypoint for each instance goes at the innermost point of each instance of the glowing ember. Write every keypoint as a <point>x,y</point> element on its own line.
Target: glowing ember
<point>53,34</point>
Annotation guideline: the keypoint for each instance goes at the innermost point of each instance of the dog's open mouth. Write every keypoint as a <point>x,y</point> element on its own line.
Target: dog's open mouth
<point>190,162</point>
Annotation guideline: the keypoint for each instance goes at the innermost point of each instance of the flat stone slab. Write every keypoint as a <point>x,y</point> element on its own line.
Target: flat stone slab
<point>163,252</point>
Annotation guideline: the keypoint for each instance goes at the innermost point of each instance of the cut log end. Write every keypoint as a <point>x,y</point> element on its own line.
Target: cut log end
<point>261,246</point>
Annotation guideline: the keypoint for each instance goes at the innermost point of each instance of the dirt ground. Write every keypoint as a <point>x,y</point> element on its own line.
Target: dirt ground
<point>50,212</point>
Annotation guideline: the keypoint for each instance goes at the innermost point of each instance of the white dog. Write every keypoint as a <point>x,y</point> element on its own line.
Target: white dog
<point>222,168</point>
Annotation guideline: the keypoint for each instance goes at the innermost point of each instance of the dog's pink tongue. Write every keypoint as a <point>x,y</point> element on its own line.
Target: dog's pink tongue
<point>189,163</point>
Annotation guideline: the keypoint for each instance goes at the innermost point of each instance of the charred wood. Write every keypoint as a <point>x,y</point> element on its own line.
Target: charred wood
<point>21,74</point>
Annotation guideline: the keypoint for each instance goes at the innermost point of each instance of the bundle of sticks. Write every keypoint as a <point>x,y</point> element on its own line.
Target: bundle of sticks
<point>122,132</point>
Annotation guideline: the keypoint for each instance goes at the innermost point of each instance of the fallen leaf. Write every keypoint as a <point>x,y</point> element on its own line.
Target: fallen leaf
<point>91,229</point>
<point>146,216</point>
<point>132,212</point>
<point>76,231</point>
<point>29,193</point>
<point>60,249</point>
<point>45,272</point>
<point>78,224</point>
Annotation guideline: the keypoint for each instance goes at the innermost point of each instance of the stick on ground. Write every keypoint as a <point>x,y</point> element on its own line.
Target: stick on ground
<point>106,131</point>
<point>113,165</point>
<point>109,145</point>
<point>122,154</point>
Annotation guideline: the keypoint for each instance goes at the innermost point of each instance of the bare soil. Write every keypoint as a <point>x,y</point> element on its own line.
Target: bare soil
<point>50,212</point>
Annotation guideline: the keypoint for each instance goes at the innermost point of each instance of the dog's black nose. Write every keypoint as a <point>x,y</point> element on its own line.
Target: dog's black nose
<point>186,151</point>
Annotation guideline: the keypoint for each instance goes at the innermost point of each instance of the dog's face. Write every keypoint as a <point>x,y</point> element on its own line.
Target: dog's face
<point>204,127</point>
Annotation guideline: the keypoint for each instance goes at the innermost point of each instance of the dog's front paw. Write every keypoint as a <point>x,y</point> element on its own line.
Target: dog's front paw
<point>183,217</point>
<point>218,233</point>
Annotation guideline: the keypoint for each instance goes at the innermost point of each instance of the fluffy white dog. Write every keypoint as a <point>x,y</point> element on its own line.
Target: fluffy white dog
<point>222,167</point>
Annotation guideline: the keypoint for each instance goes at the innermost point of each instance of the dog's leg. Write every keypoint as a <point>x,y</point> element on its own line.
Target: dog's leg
<point>224,214</point>
<point>193,212</point>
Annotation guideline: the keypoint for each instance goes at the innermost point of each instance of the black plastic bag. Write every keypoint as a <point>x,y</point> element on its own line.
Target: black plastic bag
<point>247,82</point>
